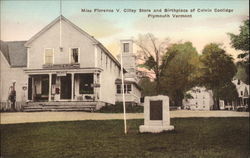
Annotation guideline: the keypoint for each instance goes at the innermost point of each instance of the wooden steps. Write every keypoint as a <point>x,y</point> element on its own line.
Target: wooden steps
<point>59,106</point>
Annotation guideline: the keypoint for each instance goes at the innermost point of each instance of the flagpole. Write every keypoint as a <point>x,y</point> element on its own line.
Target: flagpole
<point>123,98</point>
<point>60,24</point>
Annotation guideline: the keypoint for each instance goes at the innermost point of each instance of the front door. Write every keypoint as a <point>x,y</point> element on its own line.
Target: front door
<point>65,87</point>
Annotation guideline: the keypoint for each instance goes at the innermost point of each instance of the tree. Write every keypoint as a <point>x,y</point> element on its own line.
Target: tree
<point>179,75</point>
<point>241,42</point>
<point>241,72</point>
<point>150,54</point>
<point>228,92</point>
<point>148,87</point>
<point>218,69</point>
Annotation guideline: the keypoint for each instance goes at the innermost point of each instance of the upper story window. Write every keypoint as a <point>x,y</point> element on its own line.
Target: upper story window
<point>101,57</point>
<point>48,56</point>
<point>74,55</point>
<point>126,47</point>
<point>106,61</point>
<point>110,64</point>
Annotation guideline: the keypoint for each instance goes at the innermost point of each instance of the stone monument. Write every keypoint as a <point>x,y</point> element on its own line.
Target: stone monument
<point>156,114</point>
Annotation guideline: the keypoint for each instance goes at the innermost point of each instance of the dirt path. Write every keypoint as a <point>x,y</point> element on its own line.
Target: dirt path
<point>24,117</point>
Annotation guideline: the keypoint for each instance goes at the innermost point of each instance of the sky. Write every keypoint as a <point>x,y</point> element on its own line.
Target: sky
<point>21,19</point>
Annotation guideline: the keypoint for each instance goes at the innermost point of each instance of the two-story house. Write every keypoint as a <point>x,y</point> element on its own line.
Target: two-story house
<point>63,65</point>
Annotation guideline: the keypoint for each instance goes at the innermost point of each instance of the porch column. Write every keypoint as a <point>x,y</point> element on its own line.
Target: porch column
<point>72,86</point>
<point>33,88</point>
<point>96,88</point>
<point>29,88</point>
<point>50,82</point>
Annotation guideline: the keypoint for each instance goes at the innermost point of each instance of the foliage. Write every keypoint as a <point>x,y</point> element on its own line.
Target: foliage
<point>188,96</point>
<point>242,73</point>
<point>218,70</point>
<point>148,87</point>
<point>228,92</point>
<point>241,42</point>
<point>181,72</point>
<point>150,54</point>
<point>118,108</point>
<point>193,137</point>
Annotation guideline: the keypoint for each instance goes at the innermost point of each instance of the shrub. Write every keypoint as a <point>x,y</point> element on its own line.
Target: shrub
<point>118,108</point>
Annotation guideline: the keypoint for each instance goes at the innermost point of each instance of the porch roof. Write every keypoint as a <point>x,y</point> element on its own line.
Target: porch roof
<point>56,71</point>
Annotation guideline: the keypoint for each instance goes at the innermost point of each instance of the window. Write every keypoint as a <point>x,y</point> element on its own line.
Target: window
<point>74,55</point>
<point>48,56</point>
<point>106,61</point>
<point>118,89</point>
<point>238,82</point>
<point>101,57</point>
<point>125,47</point>
<point>127,88</point>
<point>86,84</point>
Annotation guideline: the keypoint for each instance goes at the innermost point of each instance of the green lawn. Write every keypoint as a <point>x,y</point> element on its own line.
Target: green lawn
<point>193,137</point>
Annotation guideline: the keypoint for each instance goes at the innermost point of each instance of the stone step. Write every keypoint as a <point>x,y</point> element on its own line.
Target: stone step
<point>61,103</point>
<point>33,108</point>
<point>59,106</point>
<point>58,109</point>
<point>44,110</point>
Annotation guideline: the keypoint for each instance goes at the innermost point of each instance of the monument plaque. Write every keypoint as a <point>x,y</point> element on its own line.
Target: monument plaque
<point>156,115</point>
<point>155,110</point>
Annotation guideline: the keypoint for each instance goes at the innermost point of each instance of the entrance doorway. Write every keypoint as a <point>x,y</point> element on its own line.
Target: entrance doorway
<point>65,87</point>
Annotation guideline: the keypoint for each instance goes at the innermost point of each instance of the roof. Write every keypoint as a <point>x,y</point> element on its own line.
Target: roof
<point>80,30</point>
<point>5,50</point>
<point>15,53</point>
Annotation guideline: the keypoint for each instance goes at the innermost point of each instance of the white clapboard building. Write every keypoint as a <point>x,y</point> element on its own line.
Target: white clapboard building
<point>201,99</point>
<point>63,67</point>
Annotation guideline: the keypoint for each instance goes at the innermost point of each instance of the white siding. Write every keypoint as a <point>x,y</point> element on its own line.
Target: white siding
<point>71,38</point>
<point>7,76</point>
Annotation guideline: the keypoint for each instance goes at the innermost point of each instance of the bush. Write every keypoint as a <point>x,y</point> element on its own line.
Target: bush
<point>118,108</point>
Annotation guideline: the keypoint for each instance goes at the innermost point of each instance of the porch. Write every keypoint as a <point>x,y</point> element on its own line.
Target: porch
<point>63,86</point>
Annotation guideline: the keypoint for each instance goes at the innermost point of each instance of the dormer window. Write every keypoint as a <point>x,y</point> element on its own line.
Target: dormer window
<point>74,55</point>
<point>126,47</point>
